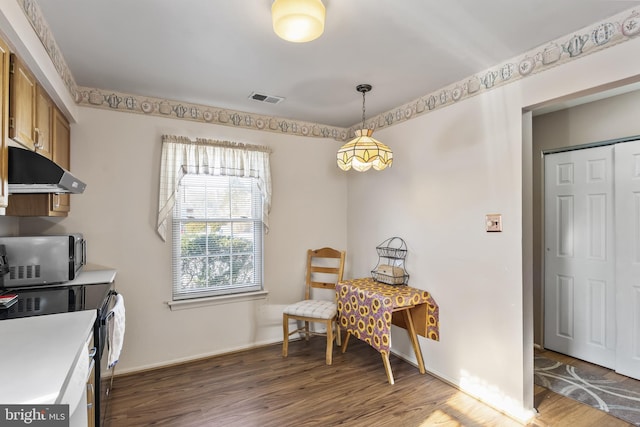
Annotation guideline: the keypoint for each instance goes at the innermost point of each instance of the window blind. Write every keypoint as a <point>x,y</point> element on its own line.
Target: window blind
<point>217,236</point>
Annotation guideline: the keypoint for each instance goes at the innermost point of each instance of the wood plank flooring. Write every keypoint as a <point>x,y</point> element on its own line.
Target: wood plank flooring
<point>260,388</point>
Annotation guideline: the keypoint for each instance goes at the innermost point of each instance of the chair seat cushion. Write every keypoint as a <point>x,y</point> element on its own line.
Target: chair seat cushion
<point>312,308</point>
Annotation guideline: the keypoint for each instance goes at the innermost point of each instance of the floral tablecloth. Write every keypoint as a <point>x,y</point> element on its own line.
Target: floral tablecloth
<point>365,309</point>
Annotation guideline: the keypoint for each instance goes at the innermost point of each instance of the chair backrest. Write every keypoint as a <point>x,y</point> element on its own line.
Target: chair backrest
<point>324,269</point>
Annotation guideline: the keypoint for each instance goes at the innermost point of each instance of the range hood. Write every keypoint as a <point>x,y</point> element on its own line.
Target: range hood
<point>30,172</point>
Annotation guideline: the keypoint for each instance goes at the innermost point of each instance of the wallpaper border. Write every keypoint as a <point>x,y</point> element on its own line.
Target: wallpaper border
<point>590,39</point>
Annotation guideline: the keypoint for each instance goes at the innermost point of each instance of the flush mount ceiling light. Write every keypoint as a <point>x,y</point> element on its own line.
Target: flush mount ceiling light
<point>363,151</point>
<point>298,21</point>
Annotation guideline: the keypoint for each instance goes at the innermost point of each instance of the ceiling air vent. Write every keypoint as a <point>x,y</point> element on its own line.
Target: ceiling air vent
<point>269,99</point>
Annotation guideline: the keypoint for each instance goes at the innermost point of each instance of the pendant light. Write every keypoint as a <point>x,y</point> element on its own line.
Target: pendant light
<point>298,21</point>
<point>363,151</point>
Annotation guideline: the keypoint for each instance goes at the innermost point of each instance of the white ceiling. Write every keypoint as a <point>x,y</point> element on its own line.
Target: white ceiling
<point>217,52</point>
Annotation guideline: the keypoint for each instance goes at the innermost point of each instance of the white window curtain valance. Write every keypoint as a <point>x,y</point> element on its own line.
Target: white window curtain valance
<point>181,156</point>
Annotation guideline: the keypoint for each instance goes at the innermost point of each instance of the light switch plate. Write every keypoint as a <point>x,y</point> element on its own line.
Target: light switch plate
<point>493,222</point>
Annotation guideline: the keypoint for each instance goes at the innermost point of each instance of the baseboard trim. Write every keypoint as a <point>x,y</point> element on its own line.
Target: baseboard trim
<point>524,417</point>
<point>196,358</point>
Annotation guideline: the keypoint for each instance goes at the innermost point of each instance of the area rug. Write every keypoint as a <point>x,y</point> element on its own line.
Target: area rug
<point>604,394</point>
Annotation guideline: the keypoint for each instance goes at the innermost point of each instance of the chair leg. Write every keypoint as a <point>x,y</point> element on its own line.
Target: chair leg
<point>285,330</point>
<point>338,337</point>
<point>329,356</point>
<point>306,331</point>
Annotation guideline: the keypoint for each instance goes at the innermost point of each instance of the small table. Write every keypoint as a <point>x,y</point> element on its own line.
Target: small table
<point>367,309</point>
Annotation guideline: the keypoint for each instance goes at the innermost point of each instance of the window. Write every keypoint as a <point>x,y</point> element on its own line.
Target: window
<point>217,236</point>
<point>218,194</point>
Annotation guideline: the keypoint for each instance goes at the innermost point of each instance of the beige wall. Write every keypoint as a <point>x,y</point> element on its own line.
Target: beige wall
<point>118,155</point>
<point>451,167</point>
<point>598,121</point>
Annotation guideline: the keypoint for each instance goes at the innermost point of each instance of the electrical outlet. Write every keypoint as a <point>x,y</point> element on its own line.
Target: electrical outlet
<point>493,222</point>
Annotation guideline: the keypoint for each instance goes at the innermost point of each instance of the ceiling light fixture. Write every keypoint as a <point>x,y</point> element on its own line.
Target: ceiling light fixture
<point>363,151</point>
<point>298,21</point>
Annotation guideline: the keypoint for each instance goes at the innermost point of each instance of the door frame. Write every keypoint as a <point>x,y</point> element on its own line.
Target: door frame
<point>530,312</point>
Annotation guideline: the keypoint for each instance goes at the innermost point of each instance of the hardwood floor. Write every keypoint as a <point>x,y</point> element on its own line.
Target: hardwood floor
<point>260,388</point>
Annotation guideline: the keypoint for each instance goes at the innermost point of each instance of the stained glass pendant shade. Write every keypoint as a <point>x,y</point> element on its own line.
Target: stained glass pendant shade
<point>364,152</point>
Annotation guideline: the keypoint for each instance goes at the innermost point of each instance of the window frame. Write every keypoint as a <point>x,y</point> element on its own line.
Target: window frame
<point>228,290</point>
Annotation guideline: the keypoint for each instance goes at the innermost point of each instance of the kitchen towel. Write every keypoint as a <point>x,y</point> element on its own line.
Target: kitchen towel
<point>116,325</point>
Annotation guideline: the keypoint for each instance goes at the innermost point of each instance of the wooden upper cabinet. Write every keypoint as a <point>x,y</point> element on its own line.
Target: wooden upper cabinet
<point>44,116</point>
<point>22,104</point>
<point>4,120</point>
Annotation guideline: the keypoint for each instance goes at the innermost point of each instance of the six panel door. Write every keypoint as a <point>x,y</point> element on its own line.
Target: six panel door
<point>579,263</point>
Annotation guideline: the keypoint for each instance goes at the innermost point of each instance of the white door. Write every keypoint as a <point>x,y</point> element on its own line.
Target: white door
<point>579,263</point>
<point>627,176</point>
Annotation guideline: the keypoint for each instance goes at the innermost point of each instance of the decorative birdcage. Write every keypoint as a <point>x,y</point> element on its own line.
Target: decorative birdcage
<point>390,268</point>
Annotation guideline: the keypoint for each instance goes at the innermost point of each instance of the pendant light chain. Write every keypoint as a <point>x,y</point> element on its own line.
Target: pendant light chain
<point>363,88</point>
<point>363,94</point>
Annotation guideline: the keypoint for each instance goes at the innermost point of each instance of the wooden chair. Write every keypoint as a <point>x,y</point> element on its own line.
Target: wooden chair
<point>324,270</point>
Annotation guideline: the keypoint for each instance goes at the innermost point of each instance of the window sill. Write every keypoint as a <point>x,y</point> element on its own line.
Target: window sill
<point>223,299</point>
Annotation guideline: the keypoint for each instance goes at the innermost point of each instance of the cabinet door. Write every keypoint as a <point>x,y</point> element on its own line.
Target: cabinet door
<point>61,147</point>
<point>22,104</point>
<point>4,121</point>
<point>42,131</point>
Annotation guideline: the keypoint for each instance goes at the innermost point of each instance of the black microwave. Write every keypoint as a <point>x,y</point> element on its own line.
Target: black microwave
<point>41,260</point>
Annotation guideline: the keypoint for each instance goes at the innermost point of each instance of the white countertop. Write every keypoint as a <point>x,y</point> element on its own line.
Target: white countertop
<point>37,354</point>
